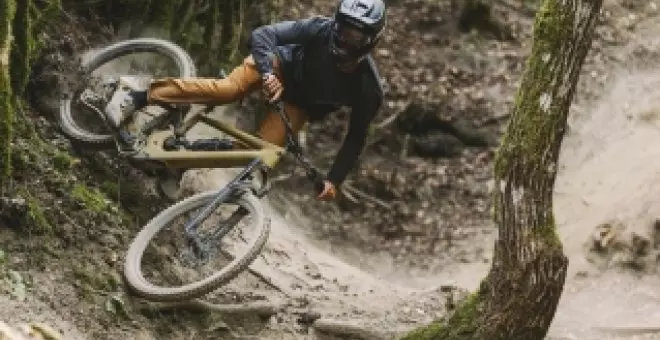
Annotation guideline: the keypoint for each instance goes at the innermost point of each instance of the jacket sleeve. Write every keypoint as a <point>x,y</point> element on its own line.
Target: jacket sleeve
<point>265,39</point>
<point>354,142</point>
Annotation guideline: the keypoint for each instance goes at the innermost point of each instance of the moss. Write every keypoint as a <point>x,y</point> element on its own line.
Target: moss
<point>89,197</point>
<point>46,14</point>
<point>548,234</point>
<point>124,192</point>
<point>20,160</point>
<point>62,161</point>
<point>7,12</point>
<point>23,50</point>
<point>461,323</point>
<point>90,281</point>
<point>528,130</point>
<point>6,127</point>
<point>36,218</point>
<point>91,277</point>
<point>110,188</point>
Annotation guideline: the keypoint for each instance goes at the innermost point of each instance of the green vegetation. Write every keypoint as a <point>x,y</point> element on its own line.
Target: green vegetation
<point>36,219</point>
<point>89,197</point>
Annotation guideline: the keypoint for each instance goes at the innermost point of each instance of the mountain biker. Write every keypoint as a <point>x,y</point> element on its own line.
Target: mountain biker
<point>314,65</point>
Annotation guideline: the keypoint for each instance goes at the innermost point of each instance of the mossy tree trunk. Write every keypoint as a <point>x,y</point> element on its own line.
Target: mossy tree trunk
<point>518,298</point>
<point>19,23</point>
<point>7,13</point>
<point>21,53</point>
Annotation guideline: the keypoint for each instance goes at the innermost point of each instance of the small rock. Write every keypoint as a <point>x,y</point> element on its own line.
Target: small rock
<point>640,245</point>
<point>308,317</point>
<point>381,52</point>
<point>656,234</point>
<point>582,274</point>
<point>437,144</point>
<point>447,289</point>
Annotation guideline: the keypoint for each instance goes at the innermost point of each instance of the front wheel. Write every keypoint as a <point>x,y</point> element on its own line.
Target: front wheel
<point>144,254</point>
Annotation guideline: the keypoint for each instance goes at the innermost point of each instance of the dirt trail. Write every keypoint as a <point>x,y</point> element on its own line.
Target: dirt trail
<point>610,172</point>
<point>307,269</point>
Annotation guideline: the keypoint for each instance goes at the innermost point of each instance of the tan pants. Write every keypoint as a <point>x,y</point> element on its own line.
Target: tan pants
<point>244,79</point>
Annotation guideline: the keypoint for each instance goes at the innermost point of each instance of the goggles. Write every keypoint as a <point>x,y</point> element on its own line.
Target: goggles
<point>349,41</point>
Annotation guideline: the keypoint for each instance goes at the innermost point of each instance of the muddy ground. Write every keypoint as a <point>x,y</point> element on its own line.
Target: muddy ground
<point>412,230</point>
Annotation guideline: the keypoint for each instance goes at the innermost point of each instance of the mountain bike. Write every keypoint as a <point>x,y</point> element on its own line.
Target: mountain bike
<point>161,148</point>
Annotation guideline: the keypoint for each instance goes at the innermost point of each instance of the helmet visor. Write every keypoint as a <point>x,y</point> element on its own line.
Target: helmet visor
<point>349,40</point>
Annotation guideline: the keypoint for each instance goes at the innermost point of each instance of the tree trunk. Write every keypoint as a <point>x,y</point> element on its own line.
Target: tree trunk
<point>519,296</point>
<point>21,53</point>
<point>7,12</point>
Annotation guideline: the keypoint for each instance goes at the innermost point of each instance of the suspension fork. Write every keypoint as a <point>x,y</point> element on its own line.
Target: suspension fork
<point>233,187</point>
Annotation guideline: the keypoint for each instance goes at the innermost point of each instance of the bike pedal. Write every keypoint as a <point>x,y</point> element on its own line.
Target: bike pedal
<point>126,140</point>
<point>110,85</point>
<point>127,137</point>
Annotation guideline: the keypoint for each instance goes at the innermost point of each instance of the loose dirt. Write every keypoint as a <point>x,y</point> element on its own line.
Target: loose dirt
<point>610,175</point>
<point>312,277</point>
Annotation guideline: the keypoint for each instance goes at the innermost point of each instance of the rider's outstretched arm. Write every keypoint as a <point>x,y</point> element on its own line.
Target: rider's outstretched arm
<point>265,39</point>
<point>361,116</point>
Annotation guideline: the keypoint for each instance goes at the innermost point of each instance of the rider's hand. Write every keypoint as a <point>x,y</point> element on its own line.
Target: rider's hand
<point>329,191</point>
<point>273,87</point>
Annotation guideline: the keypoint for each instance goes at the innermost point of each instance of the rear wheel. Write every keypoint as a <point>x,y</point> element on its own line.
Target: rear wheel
<point>154,261</point>
<point>84,124</point>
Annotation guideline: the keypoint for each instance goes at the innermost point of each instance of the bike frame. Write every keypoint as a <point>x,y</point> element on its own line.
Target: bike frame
<point>269,154</point>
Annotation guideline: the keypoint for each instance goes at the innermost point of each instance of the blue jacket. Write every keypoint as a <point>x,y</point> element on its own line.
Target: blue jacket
<point>312,81</point>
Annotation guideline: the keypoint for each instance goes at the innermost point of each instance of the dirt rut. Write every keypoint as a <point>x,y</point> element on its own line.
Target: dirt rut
<point>610,173</point>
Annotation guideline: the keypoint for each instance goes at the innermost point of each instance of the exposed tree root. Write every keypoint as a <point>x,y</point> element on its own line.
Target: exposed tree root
<point>261,271</point>
<point>350,330</point>
<point>629,330</point>
<point>254,308</point>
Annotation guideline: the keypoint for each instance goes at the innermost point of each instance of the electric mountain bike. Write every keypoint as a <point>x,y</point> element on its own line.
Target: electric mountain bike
<point>160,148</point>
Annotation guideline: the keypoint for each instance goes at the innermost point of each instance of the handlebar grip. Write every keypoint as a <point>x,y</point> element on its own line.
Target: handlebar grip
<point>319,185</point>
<point>317,179</point>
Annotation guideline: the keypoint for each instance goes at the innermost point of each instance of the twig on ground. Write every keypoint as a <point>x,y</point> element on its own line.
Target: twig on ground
<point>348,195</point>
<point>389,120</point>
<point>347,187</point>
<point>402,155</point>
